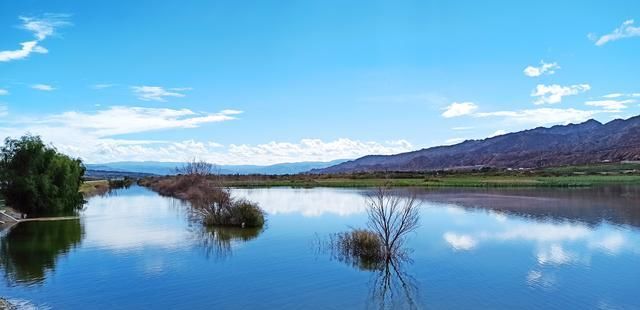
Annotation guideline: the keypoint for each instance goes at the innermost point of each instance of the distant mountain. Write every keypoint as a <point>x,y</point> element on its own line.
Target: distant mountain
<point>583,143</point>
<point>167,168</point>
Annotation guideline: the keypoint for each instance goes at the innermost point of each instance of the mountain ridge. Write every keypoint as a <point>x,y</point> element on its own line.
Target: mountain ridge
<point>587,142</point>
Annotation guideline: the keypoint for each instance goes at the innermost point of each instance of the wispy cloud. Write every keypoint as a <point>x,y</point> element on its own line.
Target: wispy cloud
<point>626,30</point>
<point>550,94</point>
<point>94,136</point>
<point>43,87</point>
<point>459,109</point>
<point>610,104</point>
<point>544,68</point>
<point>125,120</point>
<point>462,128</point>
<point>3,92</point>
<point>452,141</point>
<point>102,86</point>
<point>41,28</point>
<point>4,111</point>
<point>157,93</point>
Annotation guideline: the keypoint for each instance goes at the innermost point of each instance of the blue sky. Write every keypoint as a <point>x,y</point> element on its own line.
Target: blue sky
<point>280,81</point>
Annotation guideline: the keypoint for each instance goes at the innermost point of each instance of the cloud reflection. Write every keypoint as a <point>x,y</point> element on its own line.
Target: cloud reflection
<point>307,202</point>
<point>133,221</point>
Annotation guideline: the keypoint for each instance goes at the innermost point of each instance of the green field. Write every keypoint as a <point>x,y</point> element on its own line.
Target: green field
<point>568,176</point>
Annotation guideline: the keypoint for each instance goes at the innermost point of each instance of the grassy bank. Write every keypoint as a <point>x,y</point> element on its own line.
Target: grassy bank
<point>457,181</point>
<point>92,188</point>
<point>569,176</point>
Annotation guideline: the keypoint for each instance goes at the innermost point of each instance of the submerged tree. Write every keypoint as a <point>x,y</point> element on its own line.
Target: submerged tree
<point>392,218</point>
<point>38,180</point>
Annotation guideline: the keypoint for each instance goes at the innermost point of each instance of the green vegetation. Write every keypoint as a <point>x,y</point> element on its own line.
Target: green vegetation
<point>568,176</point>
<point>37,180</point>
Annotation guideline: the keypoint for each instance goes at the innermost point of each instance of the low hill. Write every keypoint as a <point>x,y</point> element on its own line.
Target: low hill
<point>168,168</point>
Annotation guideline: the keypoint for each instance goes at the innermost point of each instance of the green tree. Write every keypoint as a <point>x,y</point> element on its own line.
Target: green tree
<point>37,180</point>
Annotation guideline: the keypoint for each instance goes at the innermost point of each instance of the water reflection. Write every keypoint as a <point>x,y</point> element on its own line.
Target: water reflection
<point>308,202</point>
<point>615,204</point>
<point>133,219</point>
<point>218,242</point>
<point>29,250</point>
<point>392,287</point>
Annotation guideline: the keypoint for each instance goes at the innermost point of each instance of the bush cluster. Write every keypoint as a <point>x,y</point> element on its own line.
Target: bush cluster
<point>211,203</point>
<point>37,180</point>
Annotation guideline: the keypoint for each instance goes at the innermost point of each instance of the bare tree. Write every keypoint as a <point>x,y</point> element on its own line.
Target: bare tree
<point>197,168</point>
<point>392,217</point>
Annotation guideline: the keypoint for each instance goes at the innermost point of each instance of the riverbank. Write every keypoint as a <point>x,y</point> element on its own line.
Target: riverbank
<point>446,181</point>
<point>93,188</point>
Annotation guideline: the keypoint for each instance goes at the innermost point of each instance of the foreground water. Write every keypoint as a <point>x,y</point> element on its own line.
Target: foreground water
<point>497,249</point>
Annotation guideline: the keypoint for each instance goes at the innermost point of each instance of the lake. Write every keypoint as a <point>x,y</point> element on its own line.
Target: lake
<point>475,248</point>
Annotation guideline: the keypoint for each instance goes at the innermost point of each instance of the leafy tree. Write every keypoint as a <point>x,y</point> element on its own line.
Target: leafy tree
<point>37,180</point>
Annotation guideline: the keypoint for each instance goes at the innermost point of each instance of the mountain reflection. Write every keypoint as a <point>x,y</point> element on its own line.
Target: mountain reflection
<point>29,250</point>
<point>615,204</point>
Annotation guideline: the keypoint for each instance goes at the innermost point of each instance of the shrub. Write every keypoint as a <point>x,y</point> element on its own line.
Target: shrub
<point>235,213</point>
<point>359,247</point>
<point>37,180</point>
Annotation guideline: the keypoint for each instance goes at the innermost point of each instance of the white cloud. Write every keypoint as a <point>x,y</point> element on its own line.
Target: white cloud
<point>123,120</point>
<point>553,93</point>
<point>101,86</point>
<point>453,141</point>
<point>462,128</point>
<point>43,87</point>
<point>459,109</point>
<point>95,137</point>
<point>41,27</point>
<point>26,50</point>
<point>314,150</point>
<point>544,68</point>
<point>157,93</point>
<point>626,30</point>
<point>542,116</point>
<point>612,105</point>
<point>460,242</point>
<point>499,132</point>
<point>613,95</point>
<point>3,92</point>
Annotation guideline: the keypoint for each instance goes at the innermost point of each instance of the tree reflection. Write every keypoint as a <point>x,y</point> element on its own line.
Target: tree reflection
<point>28,250</point>
<point>392,287</point>
<point>217,241</point>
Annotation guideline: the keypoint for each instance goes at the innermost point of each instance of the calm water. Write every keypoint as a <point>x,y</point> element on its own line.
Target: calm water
<point>562,249</point>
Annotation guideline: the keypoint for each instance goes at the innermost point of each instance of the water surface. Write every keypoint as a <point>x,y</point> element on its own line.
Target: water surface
<point>498,249</point>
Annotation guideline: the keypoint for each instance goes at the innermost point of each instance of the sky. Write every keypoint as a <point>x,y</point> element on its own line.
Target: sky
<point>266,82</point>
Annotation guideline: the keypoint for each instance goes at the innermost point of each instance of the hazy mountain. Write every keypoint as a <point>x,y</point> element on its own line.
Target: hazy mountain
<point>582,143</point>
<point>164,168</point>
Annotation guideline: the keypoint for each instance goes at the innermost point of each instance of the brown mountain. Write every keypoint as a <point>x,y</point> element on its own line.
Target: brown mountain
<point>583,143</point>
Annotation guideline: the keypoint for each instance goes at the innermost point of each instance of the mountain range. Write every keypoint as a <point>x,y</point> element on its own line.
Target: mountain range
<point>571,144</point>
<point>168,168</point>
